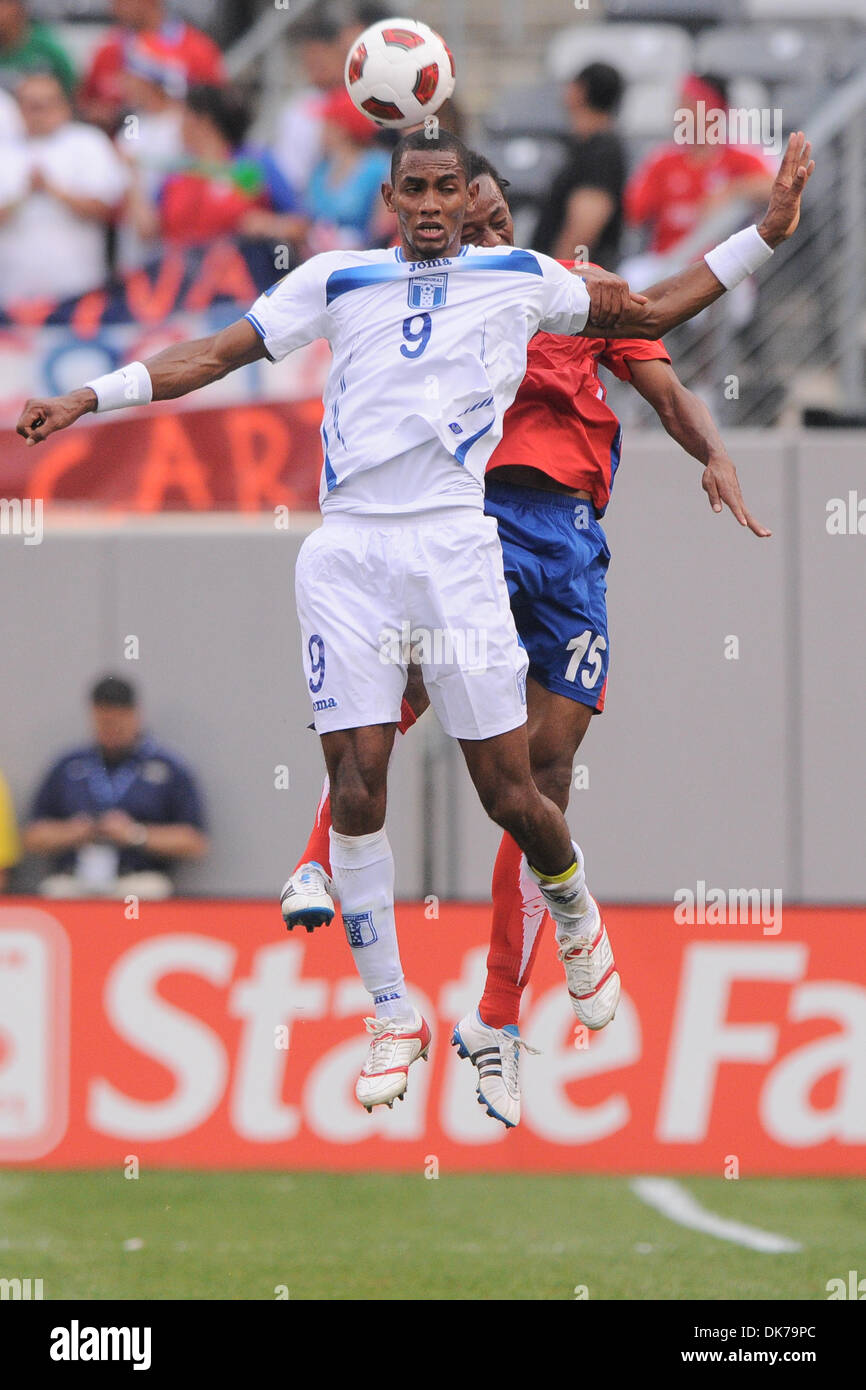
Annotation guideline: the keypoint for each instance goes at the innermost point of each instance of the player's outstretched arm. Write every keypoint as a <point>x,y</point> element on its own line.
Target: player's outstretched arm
<point>176,371</point>
<point>681,296</point>
<point>689,422</point>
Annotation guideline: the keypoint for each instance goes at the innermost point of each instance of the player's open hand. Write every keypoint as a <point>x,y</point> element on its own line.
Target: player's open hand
<point>722,486</point>
<point>610,297</point>
<point>46,415</point>
<point>783,210</point>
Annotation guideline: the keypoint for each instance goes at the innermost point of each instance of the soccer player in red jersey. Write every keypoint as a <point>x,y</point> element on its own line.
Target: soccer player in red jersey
<point>548,483</point>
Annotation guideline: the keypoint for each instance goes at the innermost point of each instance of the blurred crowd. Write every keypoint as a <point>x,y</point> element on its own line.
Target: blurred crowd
<point>151,146</point>
<point>592,200</point>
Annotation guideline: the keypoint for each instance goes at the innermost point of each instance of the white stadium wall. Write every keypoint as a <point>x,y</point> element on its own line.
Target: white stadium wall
<point>742,769</point>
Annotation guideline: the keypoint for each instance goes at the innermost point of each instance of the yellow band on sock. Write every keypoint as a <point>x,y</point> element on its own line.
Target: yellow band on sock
<point>556,878</point>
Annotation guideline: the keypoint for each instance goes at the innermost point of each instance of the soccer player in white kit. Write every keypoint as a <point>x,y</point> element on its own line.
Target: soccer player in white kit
<point>429,347</point>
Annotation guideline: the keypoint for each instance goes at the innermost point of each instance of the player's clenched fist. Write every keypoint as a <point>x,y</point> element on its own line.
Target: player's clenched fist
<point>609,295</point>
<point>41,417</point>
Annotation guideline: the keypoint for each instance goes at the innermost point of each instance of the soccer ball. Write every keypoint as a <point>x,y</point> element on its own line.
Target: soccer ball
<point>399,72</point>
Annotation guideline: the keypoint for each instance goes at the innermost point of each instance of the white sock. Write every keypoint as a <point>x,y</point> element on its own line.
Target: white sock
<point>570,904</point>
<point>363,871</point>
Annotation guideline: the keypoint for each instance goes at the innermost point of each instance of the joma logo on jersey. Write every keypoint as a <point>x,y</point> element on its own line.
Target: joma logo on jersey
<point>427,291</point>
<point>325,704</point>
<point>359,928</point>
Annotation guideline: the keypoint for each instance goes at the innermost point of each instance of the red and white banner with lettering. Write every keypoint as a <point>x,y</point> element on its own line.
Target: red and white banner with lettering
<point>203,1035</point>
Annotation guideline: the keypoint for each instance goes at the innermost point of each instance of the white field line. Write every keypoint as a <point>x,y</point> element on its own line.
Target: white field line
<point>673,1201</point>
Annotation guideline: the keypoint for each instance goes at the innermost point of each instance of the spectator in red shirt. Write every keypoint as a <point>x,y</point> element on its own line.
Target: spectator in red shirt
<point>678,185</point>
<point>195,56</point>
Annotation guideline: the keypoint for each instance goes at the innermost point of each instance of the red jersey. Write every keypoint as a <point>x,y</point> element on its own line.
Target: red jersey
<point>192,53</point>
<point>560,422</point>
<point>669,189</point>
<point>195,210</point>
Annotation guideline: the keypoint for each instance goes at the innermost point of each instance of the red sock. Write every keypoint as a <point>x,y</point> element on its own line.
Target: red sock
<point>408,717</point>
<point>519,915</point>
<point>319,844</point>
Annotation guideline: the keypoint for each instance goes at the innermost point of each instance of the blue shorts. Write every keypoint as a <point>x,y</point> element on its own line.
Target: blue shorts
<point>556,560</point>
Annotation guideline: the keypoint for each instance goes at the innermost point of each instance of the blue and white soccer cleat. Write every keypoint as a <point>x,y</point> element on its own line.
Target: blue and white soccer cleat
<point>495,1054</point>
<point>306,900</point>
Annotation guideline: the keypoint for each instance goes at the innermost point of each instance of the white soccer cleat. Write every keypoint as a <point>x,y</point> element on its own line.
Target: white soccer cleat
<point>306,900</point>
<point>495,1055</point>
<point>395,1046</point>
<point>593,982</point>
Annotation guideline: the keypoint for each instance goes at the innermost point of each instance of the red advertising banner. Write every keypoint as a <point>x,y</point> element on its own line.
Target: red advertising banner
<point>246,458</point>
<point>203,1035</point>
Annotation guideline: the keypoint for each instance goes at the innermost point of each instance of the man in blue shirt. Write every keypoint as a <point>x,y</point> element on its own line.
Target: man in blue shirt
<point>116,814</point>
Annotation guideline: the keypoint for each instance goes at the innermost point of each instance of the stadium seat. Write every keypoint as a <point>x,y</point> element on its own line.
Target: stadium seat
<point>530,162</point>
<point>804,9</point>
<point>651,57</point>
<point>798,101</point>
<point>536,110</point>
<point>772,52</point>
<point>849,55</point>
<point>641,52</point>
<point>691,14</point>
<point>648,109</point>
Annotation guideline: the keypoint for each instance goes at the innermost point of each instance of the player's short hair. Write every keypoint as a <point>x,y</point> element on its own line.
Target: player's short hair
<point>603,86</point>
<point>481,167</point>
<point>420,140</point>
<point>115,692</point>
<point>225,108</point>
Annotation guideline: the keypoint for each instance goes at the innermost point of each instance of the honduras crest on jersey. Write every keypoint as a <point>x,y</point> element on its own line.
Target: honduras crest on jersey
<point>427,291</point>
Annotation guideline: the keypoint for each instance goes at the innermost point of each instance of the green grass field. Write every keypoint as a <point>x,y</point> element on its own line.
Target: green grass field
<point>98,1235</point>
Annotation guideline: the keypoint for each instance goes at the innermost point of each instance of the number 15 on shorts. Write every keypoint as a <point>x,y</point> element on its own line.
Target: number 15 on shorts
<point>586,651</point>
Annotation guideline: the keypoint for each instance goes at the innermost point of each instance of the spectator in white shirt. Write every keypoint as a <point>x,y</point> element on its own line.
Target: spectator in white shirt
<point>60,187</point>
<point>150,141</point>
<point>297,143</point>
<point>11,124</point>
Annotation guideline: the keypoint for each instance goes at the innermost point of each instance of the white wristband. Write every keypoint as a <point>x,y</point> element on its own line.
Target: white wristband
<point>130,386</point>
<point>735,259</point>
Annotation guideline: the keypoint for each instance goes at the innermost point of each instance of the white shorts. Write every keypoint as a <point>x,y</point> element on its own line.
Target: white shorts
<point>375,593</point>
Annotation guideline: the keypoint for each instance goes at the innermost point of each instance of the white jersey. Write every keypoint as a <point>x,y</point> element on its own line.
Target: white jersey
<point>427,358</point>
